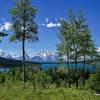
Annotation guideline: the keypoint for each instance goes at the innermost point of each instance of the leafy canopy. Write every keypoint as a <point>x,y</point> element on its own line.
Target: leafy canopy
<point>23,15</point>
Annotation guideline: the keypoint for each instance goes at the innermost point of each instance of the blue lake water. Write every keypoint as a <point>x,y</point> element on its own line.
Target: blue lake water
<point>2,69</point>
<point>72,65</point>
<point>47,66</point>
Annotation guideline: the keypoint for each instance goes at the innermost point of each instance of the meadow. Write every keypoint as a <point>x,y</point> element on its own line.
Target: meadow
<point>16,92</point>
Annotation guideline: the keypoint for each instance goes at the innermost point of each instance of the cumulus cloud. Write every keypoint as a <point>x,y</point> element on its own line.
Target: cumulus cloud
<point>6,26</point>
<point>53,25</point>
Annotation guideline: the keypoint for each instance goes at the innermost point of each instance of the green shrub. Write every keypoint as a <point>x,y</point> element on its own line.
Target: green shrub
<point>95,84</point>
<point>2,78</point>
<point>43,79</point>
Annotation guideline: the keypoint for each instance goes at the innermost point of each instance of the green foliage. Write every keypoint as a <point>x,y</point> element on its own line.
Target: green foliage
<point>16,92</point>
<point>60,77</point>
<point>23,15</point>
<point>2,78</point>
<point>76,41</point>
<point>95,84</point>
<point>23,25</point>
<point>43,79</point>
<point>62,72</point>
<point>13,37</point>
<point>2,34</point>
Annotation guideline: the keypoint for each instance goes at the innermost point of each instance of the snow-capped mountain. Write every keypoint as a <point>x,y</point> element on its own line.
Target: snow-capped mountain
<point>45,53</point>
<point>5,55</point>
<point>44,56</point>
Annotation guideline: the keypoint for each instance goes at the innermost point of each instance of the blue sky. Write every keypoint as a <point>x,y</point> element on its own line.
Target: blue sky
<point>49,12</point>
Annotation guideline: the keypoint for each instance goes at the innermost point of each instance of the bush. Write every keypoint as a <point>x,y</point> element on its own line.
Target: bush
<point>43,79</point>
<point>95,85</point>
<point>2,78</point>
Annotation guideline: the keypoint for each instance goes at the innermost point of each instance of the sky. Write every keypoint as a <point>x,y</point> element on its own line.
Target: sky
<point>47,17</point>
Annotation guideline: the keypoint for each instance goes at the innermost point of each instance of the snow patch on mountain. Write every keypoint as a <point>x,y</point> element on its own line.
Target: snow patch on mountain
<point>5,55</point>
<point>44,56</point>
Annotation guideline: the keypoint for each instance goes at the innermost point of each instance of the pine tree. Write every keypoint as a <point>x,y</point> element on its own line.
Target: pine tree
<point>24,26</point>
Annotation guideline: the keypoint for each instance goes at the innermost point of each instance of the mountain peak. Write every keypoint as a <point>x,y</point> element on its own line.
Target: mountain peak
<point>45,53</point>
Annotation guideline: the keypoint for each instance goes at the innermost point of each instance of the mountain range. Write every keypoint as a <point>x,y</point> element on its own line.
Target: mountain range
<point>42,56</point>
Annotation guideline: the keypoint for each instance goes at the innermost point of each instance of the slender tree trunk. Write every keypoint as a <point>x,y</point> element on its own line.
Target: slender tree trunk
<point>68,62</point>
<point>84,72</point>
<point>23,51</point>
<point>68,71</point>
<point>23,47</point>
<point>76,72</point>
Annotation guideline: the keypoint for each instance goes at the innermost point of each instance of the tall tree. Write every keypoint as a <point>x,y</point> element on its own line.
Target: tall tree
<point>64,48</point>
<point>87,50</point>
<point>87,47</point>
<point>24,26</point>
<point>75,37</point>
<point>64,36</point>
<point>83,45</point>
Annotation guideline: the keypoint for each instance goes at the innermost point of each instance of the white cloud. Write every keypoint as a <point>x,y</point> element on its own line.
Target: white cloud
<point>6,26</point>
<point>58,24</point>
<point>52,25</point>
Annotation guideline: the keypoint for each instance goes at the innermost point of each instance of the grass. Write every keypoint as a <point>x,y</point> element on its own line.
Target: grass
<point>16,92</point>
